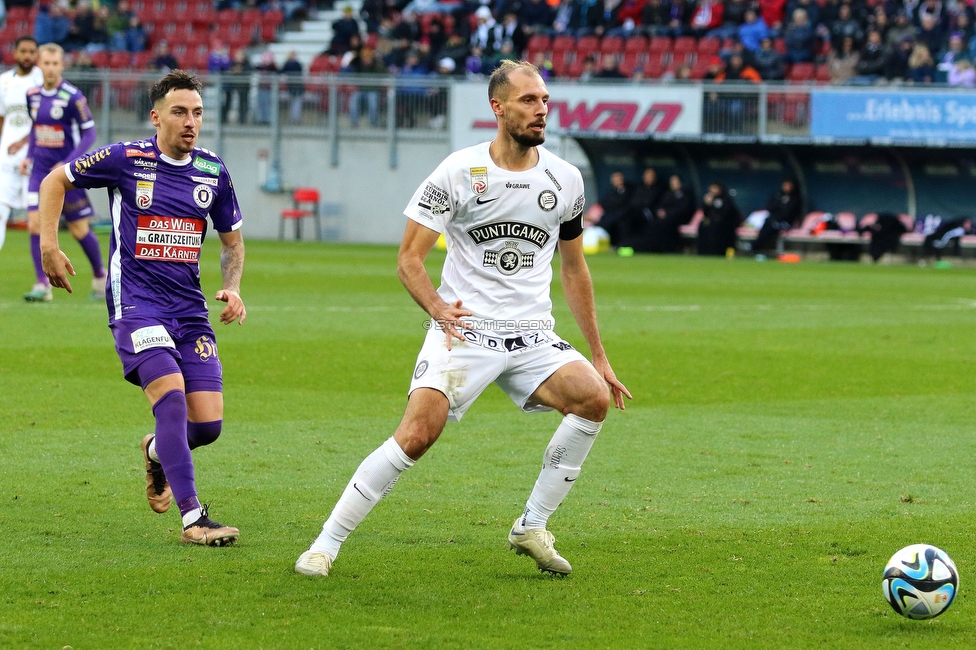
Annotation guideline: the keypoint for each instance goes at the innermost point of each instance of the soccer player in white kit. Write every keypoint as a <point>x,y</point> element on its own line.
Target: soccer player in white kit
<point>15,124</point>
<point>502,207</point>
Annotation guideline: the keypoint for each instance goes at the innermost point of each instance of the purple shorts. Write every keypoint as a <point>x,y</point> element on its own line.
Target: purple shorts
<point>151,348</point>
<point>76,203</point>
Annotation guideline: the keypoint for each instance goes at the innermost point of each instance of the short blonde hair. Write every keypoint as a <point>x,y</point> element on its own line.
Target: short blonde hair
<point>53,48</point>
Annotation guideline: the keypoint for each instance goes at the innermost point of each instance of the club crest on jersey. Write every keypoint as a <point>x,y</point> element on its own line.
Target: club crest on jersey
<point>547,200</point>
<point>509,260</point>
<point>508,230</point>
<point>203,196</point>
<point>144,192</point>
<point>205,348</point>
<point>57,112</point>
<point>479,180</point>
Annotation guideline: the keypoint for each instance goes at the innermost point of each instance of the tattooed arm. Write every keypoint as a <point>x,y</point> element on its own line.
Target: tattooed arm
<point>231,268</point>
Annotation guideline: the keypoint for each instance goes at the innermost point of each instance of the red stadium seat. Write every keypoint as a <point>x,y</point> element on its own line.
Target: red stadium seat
<point>100,59</point>
<point>823,74</point>
<point>801,73</point>
<point>585,46</point>
<point>538,43</point>
<point>305,204</point>
<point>269,32</point>
<point>660,44</point>
<point>635,44</point>
<point>709,47</point>
<point>612,45</point>
<point>562,43</point>
<point>684,45</point>
<point>142,59</point>
<point>325,64</point>
<point>274,17</point>
<point>120,60</point>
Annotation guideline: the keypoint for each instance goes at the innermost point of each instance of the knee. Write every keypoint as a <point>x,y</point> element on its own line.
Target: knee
<point>200,434</point>
<point>416,438</point>
<point>593,401</point>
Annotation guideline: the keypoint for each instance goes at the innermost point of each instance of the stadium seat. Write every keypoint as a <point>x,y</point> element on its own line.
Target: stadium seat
<point>142,59</point>
<point>654,69</point>
<point>801,73</point>
<point>305,204</point>
<point>538,43</point>
<point>120,60</point>
<point>635,44</point>
<point>586,46</point>
<point>659,45</point>
<point>823,74</point>
<point>685,44</point>
<point>562,43</point>
<point>100,59</point>
<point>269,32</point>
<point>273,17</point>
<point>708,47</point>
<point>612,45</point>
<point>324,64</point>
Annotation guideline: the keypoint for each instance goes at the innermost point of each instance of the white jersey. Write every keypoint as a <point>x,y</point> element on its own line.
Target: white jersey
<point>13,109</point>
<point>501,229</point>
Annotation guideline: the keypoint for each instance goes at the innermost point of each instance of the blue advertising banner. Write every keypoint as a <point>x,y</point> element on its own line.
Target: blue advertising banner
<point>892,115</point>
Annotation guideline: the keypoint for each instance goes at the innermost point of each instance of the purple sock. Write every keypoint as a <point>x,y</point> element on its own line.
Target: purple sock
<point>36,255</point>
<point>89,244</point>
<point>172,449</point>
<point>199,434</point>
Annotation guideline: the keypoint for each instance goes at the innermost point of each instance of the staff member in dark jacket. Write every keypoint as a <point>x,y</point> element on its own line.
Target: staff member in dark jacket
<point>675,209</point>
<point>716,233</point>
<point>785,212</point>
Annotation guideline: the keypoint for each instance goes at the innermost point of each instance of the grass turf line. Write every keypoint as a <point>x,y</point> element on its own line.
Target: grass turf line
<point>793,426</point>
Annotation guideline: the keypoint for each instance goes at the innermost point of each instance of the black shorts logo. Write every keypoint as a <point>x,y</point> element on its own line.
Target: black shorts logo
<point>562,346</point>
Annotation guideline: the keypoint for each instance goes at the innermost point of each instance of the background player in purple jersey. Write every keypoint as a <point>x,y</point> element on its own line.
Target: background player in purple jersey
<point>161,192</point>
<point>63,130</point>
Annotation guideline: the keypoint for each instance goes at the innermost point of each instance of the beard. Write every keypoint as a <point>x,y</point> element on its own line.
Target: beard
<point>526,138</point>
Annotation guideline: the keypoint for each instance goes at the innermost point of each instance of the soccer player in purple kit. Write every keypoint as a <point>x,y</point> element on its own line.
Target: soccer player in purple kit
<point>161,192</point>
<point>63,130</point>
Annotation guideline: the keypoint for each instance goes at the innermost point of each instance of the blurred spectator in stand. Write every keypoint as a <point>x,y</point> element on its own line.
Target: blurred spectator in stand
<point>901,29</point>
<point>505,53</point>
<point>896,62</point>
<point>716,232</point>
<point>845,27</point>
<point>365,63</point>
<point>136,39</point>
<point>355,45</point>
<point>656,18</point>
<point>82,25</point>
<point>843,64</point>
<point>608,69</point>
<point>456,48</point>
<point>564,14</point>
<point>371,13</point>
<point>82,61</point>
<point>483,33</point>
<point>629,18</point>
<point>615,203</point>
<point>962,74</point>
<point>706,17</point>
<point>768,62</point>
<point>409,98</point>
<point>474,63</point>
<point>800,38</point>
<point>784,211</point>
<point>164,61</point>
<point>509,29</point>
<point>403,33</point>
<point>542,62</point>
<point>772,12</point>
<point>752,31</point>
<point>292,68</point>
<point>537,17</point>
<point>267,67</point>
<point>343,31</point>
<point>954,51</point>
<point>921,67</point>
<point>219,59</point>
<point>933,9</point>
<point>930,33</point>
<point>964,26</point>
<point>738,71</point>
<point>52,24</point>
<point>118,22</point>
<point>870,61</point>
<point>879,21</point>
<point>435,39</point>
<point>98,36</point>
<point>588,18</point>
<point>810,6</point>
<point>238,83</point>
<point>589,69</point>
<point>733,17</point>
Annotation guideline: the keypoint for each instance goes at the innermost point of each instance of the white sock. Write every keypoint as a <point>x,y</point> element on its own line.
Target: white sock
<point>191,516</point>
<point>4,215</point>
<point>152,450</point>
<point>560,467</point>
<point>372,481</point>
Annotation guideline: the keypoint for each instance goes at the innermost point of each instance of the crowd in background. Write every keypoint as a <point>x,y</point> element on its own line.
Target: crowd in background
<point>854,41</point>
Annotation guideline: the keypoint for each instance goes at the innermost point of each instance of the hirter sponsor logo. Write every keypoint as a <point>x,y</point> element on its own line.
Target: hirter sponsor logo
<point>85,162</point>
<point>509,230</point>
<point>169,239</point>
<point>139,153</point>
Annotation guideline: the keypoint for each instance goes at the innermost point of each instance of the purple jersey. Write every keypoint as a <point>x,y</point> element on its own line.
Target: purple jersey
<point>159,209</point>
<point>59,115</point>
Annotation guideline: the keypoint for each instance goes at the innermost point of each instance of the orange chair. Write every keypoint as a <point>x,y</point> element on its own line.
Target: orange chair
<point>305,203</point>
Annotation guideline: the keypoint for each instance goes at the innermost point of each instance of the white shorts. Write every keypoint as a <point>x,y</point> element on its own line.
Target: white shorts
<point>13,185</point>
<point>518,363</point>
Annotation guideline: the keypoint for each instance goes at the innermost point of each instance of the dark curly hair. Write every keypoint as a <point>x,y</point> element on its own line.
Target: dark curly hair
<point>175,80</point>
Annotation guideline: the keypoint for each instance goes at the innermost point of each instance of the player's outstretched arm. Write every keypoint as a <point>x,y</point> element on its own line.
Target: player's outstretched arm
<point>56,264</point>
<point>578,287</point>
<point>232,268</point>
<point>416,244</point>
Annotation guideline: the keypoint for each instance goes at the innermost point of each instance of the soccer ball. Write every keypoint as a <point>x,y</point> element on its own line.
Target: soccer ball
<point>920,581</point>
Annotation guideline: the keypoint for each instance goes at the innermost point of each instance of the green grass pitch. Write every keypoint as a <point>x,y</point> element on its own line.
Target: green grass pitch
<point>792,427</point>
